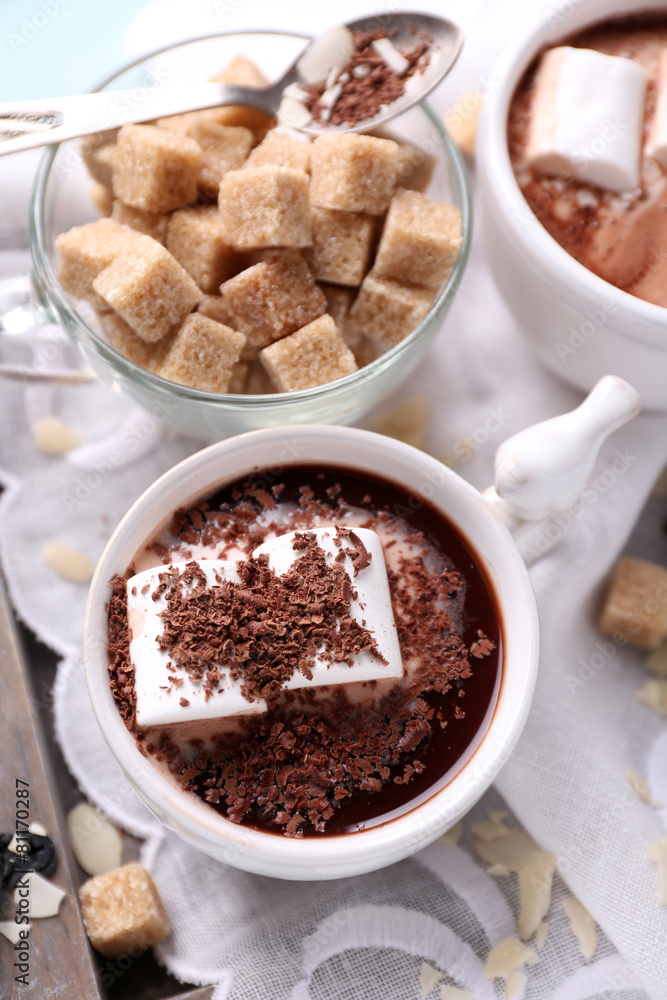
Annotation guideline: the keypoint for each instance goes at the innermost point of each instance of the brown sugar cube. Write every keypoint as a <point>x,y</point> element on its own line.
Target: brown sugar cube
<point>365,350</point>
<point>265,207</point>
<point>215,307</point>
<point>98,152</point>
<point>353,173</point>
<point>342,244</point>
<point>243,71</point>
<point>282,149</point>
<point>85,251</point>
<point>259,382</point>
<point>635,608</point>
<point>152,224</point>
<point>273,298</point>
<point>122,911</point>
<point>123,338</point>
<point>195,239</point>
<point>239,377</point>
<point>223,148</point>
<point>150,290</point>
<point>387,311</point>
<point>312,356</point>
<point>420,240</point>
<point>156,169</point>
<point>339,302</point>
<point>415,168</point>
<point>203,354</point>
<point>102,198</point>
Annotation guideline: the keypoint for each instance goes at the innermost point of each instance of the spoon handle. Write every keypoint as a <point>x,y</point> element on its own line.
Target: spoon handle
<point>27,124</point>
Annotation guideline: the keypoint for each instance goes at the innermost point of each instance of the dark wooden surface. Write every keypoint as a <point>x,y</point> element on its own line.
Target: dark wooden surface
<point>62,964</point>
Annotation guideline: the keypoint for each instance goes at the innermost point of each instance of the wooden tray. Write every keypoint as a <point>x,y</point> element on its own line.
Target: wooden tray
<point>62,965</point>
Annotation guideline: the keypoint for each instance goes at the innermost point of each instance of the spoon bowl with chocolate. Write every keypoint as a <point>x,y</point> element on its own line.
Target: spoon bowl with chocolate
<point>573,177</point>
<point>311,668</point>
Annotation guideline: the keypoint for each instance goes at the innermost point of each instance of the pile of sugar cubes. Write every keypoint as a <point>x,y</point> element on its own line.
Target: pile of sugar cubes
<point>238,257</point>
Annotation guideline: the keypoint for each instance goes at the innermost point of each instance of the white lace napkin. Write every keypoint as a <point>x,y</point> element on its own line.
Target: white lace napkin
<point>367,937</point>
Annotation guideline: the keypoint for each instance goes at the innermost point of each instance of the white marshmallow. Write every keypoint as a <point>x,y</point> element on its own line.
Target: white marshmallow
<point>656,143</point>
<point>587,117</point>
<point>156,706</point>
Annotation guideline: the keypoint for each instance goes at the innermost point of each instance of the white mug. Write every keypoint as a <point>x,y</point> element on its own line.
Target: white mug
<point>580,325</point>
<point>554,466</point>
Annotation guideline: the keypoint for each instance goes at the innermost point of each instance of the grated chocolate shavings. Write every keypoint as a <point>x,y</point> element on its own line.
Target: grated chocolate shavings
<point>362,96</point>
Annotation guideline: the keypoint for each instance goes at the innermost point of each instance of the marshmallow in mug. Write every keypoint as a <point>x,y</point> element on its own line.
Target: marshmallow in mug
<point>587,117</point>
<point>159,703</point>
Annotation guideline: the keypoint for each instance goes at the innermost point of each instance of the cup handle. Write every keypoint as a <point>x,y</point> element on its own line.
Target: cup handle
<point>22,317</point>
<point>543,469</point>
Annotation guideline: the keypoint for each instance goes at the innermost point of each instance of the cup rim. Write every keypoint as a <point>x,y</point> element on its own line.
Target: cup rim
<point>343,854</point>
<point>49,289</point>
<point>540,251</point>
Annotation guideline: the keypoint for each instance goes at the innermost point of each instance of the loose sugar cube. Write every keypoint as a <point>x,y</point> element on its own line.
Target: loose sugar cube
<point>273,298</point>
<point>243,71</point>
<point>420,240</point>
<point>223,148</point>
<point>85,251</point>
<point>282,149</point>
<point>128,343</point>
<point>312,356</point>
<point>98,152</point>
<point>265,207</point>
<point>342,244</point>
<point>635,607</point>
<point>353,173</point>
<point>339,302</point>
<point>152,224</point>
<point>150,290</point>
<point>203,355</point>
<point>156,169</point>
<point>195,239</point>
<point>387,311</point>
<point>122,911</point>
<point>414,169</point>
<point>102,198</point>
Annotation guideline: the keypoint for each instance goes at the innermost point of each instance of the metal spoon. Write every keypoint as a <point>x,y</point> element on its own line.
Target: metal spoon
<point>26,124</point>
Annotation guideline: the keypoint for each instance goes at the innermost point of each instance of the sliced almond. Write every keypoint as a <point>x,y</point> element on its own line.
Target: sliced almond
<point>452,836</point>
<point>639,787</point>
<point>653,694</point>
<point>67,562</point>
<point>535,880</point>
<point>44,897</point>
<point>54,437</point>
<point>583,926</point>
<point>657,661</point>
<point>541,936</point>
<point>515,985</point>
<point>428,978</point>
<point>333,47</point>
<point>498,871</point>
<point>506,957</point>
<point>658,852</point>
<point>96,844</point>
<point>454,993</point>
<point>490,829</point>
<point>461,122</point>
<point>12,930</point>
<point>512,851</point>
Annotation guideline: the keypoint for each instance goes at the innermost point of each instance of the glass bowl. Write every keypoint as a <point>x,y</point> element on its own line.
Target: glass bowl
<point>61,200</point>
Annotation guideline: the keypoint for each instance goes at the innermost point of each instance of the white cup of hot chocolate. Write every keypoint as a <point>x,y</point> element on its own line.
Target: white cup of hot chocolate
<point>580,324</point>
<point>470,717</point>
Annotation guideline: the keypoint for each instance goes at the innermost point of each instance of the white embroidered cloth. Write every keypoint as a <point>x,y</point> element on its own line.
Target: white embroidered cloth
<point>367,937</point>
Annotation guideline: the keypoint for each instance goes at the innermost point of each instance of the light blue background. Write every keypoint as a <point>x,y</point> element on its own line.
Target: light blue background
<point>49,48</point>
